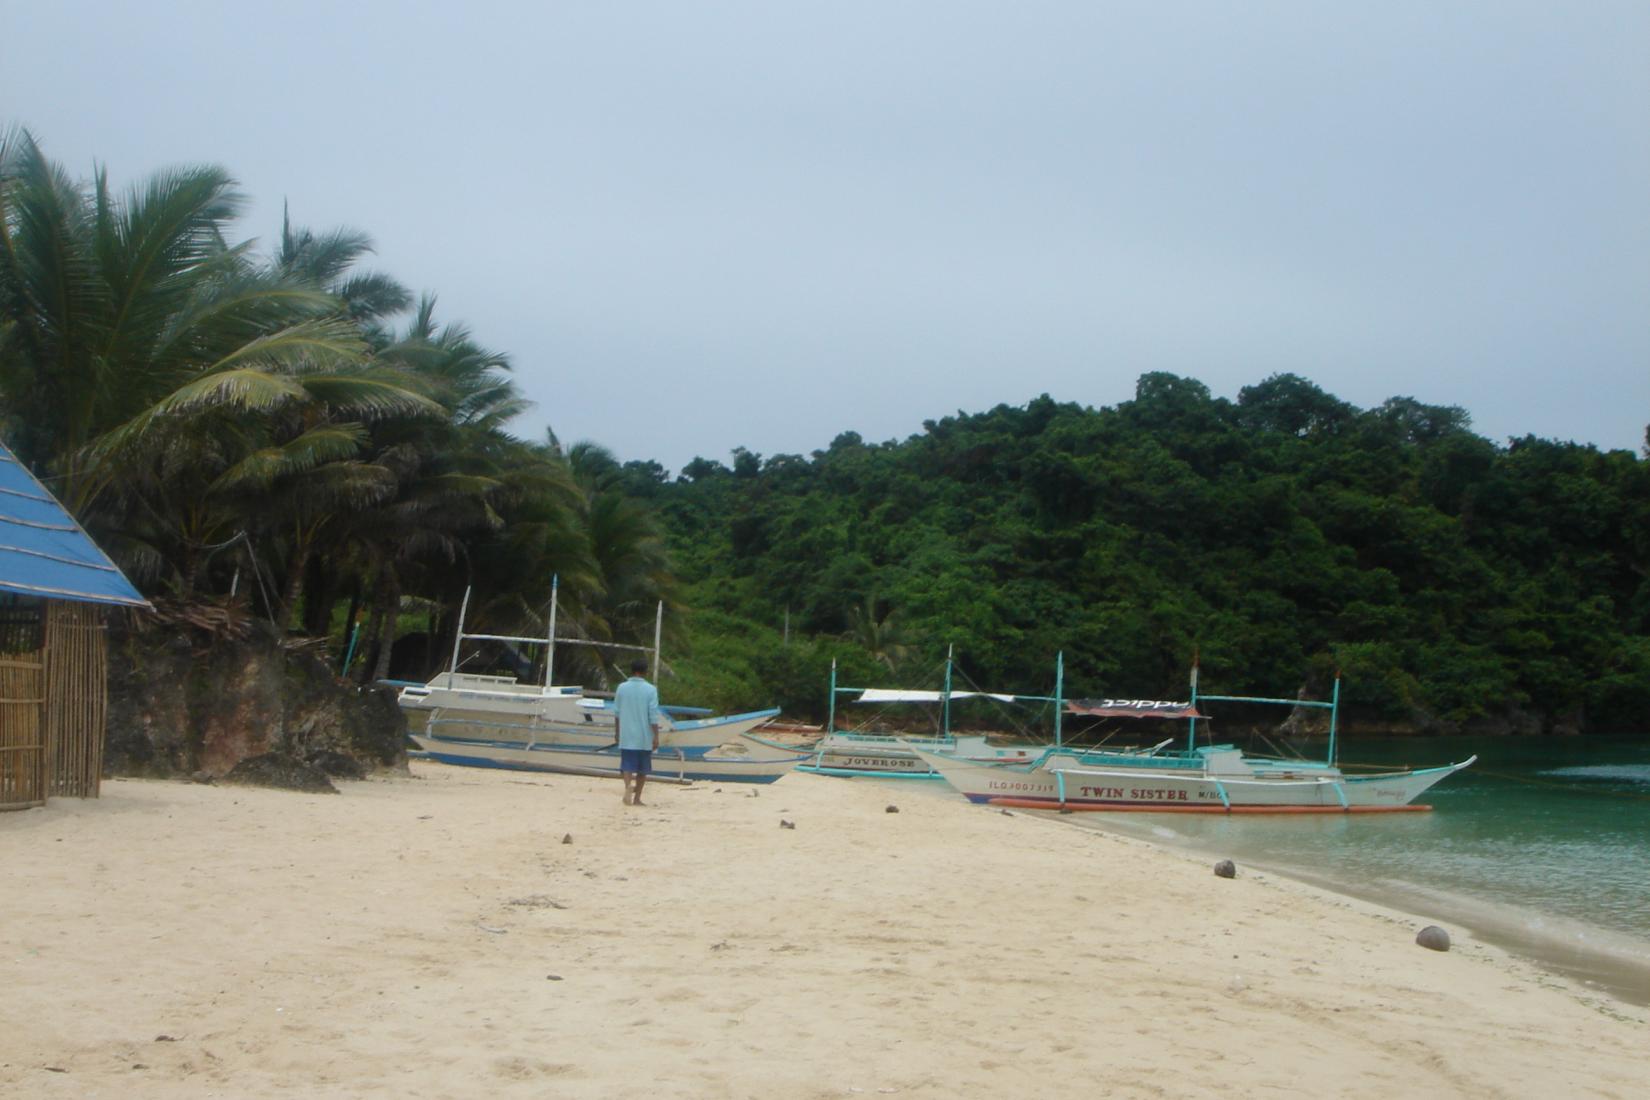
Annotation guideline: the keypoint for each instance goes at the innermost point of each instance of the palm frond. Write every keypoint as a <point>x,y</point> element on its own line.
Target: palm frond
<point>369,394</point>
<point>330,443</point>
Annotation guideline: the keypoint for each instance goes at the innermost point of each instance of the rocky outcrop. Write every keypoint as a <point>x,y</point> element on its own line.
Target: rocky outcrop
<point>184,700</point>
<point>282,771</point>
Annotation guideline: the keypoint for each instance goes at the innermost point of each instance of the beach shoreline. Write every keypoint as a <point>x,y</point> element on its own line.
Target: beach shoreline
<point>1601,961</point>
<point>434,936</point>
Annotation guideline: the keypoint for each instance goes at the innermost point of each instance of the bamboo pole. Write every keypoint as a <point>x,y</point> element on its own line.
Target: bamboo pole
<point>76,699</point>
<point>23,744</point>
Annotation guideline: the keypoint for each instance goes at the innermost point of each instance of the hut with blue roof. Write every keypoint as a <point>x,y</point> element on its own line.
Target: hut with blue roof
<point>55,587</point>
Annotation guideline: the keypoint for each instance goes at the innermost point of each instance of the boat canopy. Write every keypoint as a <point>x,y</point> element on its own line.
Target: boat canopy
<point>1132,708</point>
<point>902,695</point>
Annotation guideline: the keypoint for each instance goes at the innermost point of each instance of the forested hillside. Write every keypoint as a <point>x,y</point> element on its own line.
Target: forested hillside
<point>1279,538</point>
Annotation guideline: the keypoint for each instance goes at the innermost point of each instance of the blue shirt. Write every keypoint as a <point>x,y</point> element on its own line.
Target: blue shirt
<point>637,705</point>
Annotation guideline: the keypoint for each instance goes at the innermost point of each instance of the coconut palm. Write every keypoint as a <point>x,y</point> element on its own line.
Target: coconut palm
<point>328,260</point>
<point>879,632</point>
<point>626,546</point>
<point>114,304</point>
<point>144,357</point>
<point>185,395</point>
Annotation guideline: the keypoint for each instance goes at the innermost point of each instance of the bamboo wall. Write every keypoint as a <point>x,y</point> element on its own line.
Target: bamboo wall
<point>76,698</point>
<point>22,676</point>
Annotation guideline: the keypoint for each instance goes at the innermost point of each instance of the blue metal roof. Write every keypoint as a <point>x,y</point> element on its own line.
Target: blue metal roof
<point>45,553</point>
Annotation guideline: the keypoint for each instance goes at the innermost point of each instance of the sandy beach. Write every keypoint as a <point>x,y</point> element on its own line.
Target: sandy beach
<point>434,936</point>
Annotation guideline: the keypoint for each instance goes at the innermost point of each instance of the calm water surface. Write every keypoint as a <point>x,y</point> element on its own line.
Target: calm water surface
<point>1542,847</point>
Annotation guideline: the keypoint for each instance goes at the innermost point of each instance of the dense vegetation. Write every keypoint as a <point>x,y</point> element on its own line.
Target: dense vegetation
<point>287,435</point>
<point>1279,538</point>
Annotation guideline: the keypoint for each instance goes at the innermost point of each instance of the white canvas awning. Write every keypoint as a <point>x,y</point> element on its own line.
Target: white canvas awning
<point>902,695</point>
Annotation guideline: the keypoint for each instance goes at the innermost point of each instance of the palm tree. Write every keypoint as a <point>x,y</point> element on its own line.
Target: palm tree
<point>112,304</point>
<point>143,358</point>
<point>184,395</point>
<point>327,260</point>
<point>451,473</point>
<point>632,562</point>
<point>879,633</point>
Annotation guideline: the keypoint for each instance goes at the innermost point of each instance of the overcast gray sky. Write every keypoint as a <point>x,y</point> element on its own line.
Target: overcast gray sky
<point>697,225</point>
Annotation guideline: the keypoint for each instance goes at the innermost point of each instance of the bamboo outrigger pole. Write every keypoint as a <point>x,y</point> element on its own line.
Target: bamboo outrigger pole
<point>830,706</point>
<point>550,637</point>
<point>1059,686</point>
<point>1334,709</point>
<point>458,636</point>
<point>658,634</point>
<point>1191,723</point>
<point>946,709</point>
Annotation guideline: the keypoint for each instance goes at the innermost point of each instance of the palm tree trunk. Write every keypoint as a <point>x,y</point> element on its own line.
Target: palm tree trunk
<point>320,588</point>
<point>350,624</point>
<point>294,587</point>
<point>390,606</point>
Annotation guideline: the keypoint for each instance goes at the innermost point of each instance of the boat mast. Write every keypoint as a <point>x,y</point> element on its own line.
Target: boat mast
<point>658,631</point>
<point>830,706</point>
<point>1191,723</point>
<point>945,719</point>
<point>458,636</point>
<point>1059,684</point>
<point>550,638</point>
<point>1334,708</point>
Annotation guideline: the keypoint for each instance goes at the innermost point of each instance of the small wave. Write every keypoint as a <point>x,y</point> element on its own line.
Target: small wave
<point>1605,773</point>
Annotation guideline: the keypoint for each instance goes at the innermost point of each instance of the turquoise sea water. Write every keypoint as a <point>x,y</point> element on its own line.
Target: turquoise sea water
<point>1542,847</point>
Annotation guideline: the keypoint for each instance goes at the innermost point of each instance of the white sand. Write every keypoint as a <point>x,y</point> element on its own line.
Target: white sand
<point>171,940</point>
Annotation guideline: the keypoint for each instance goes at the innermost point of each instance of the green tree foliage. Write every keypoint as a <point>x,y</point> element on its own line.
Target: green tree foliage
<point>209,412</point>
<point>1281,537</point>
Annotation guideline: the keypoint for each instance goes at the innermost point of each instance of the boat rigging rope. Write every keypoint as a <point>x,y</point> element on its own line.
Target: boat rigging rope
<point>1509,777</point>
<point>1019,726</point>
<point>1561,786</point>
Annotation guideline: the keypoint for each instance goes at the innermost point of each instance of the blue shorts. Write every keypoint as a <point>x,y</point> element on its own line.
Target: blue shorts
<point>635,761</point>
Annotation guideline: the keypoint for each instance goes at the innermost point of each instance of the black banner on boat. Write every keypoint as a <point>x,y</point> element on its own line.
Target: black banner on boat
<point>1131,708</point>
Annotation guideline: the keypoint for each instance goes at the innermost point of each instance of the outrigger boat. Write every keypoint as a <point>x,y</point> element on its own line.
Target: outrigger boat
<point>889,756</point>
<point>745,759</point>
<point>1213,778</point>
<point>501,710</point>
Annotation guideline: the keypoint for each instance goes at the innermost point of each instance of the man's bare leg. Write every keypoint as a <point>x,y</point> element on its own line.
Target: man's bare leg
<point>628,778</point>
<point>636,799</point>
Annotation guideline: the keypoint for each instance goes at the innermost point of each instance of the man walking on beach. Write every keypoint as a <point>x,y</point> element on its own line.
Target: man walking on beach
<point>636,705</point>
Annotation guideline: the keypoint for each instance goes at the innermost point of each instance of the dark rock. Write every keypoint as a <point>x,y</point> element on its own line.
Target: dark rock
<point>276,769</point>
<point>1433,938</point>
<point>891,810</point>
<point>567,838</point>
<point>184,700</point>
<point>783,824</point>
<point>1226,869</point>
<point>202,777</point>
<point>339,765</point>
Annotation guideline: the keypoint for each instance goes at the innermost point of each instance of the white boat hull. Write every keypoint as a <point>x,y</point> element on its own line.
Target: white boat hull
<point>890,757</point>
<point>1062,780</point>
<point>703,733</point>
<point>498,709</point>
<point>745,759</point>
